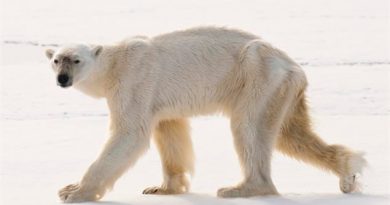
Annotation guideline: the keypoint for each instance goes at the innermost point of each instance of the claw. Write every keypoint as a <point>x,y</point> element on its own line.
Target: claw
<point>151,190</point>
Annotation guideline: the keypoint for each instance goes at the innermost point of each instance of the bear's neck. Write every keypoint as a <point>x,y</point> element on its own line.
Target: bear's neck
<point>102,83</point>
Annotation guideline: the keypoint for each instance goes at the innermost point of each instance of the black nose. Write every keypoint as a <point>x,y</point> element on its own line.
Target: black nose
<point>63,79</point>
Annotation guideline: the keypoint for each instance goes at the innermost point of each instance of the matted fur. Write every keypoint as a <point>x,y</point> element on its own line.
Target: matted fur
<point>152,85</point>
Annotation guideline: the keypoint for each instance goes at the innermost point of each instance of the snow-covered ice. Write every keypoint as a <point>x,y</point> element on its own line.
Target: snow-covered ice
<point>49,135</point>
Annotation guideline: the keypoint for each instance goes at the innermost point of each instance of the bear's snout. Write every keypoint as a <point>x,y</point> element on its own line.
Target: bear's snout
<point>63,80</point>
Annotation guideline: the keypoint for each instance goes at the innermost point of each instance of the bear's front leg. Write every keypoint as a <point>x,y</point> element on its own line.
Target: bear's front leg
<point>129,139</point>
<point>74,193</point>
<point>173,142</point>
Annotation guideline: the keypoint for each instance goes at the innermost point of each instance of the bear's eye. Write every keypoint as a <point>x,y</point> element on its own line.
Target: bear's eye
<point>55,61</point>
<point>76,61</point>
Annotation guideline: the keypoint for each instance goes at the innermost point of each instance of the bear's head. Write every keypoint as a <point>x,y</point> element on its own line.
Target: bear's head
<point>73,63</point>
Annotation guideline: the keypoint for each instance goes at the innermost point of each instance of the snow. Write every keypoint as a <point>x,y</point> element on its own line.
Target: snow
<point>49,135</point>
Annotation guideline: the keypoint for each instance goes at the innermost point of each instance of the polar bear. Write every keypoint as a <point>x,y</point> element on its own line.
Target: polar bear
<point>152,85</point>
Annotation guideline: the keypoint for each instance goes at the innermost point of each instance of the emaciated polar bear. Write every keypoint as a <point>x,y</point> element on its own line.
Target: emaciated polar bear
<point>152,85</point>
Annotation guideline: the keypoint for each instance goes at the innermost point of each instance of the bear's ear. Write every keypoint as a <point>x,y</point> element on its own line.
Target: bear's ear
<point>49,53</point>
<point>96,50</point>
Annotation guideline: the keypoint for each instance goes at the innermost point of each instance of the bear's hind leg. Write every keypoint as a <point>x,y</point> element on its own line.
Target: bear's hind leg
<point>298,140</point>
<point>254,147</point>
<point>173,141</point>
<point>255,122</point>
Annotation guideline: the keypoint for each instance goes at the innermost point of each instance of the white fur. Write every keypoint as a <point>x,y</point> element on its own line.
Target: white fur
<point>152,85</point>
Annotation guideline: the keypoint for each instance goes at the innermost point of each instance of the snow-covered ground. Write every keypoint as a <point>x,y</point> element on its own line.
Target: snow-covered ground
<point>50,135</point>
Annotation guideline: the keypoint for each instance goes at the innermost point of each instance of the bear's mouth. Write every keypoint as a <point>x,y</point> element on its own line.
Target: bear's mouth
<point>64,85</point>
